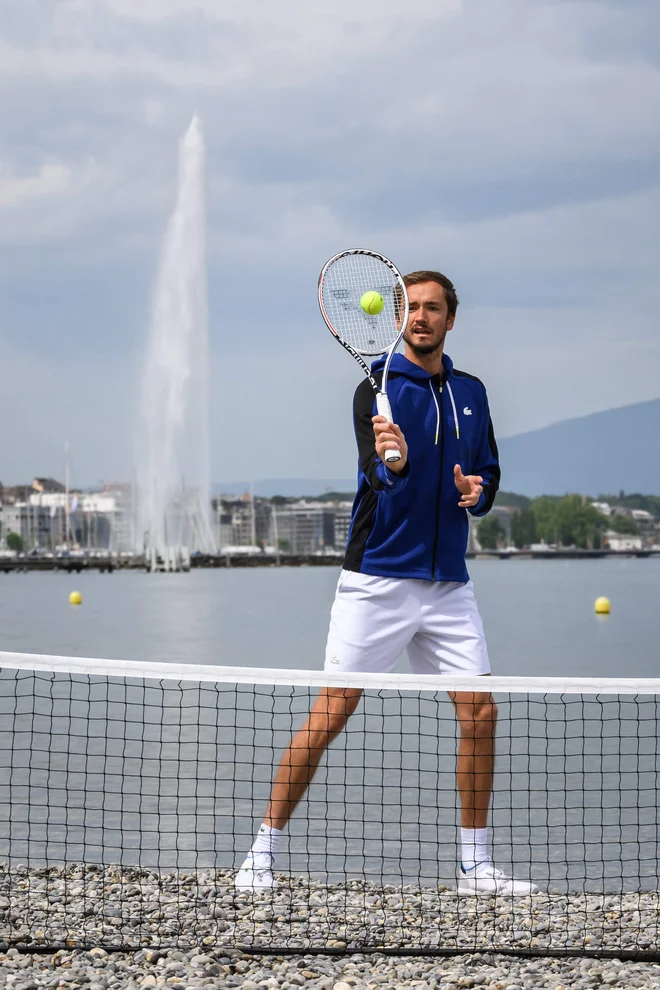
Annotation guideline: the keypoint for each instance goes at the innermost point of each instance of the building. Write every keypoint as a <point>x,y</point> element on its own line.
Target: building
<point>48,486</point>
<point>293,526</point>
<point>648,527</point>
<point>241,521</point>
<point>39,527</point>
<point>622,541</point>
<point>48,519</point>
<point>343,512</point>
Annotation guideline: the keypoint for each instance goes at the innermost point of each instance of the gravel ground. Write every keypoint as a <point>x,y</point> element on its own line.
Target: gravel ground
<point>205,918</point>
<point>133,908</point>
<point>201,967</point>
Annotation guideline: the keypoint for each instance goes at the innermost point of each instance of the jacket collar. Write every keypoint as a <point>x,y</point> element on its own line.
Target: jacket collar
<point>402,366</point>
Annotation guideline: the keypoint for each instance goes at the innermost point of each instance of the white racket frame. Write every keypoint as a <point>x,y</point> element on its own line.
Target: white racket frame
<point>382,402</point>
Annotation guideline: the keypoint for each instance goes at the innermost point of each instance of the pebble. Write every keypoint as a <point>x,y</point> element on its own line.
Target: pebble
<point>357,972</point>
<point>204,917</point>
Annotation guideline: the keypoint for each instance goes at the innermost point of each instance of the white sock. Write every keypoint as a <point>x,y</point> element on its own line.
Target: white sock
<point>265,846</point>
<point>474,847</point>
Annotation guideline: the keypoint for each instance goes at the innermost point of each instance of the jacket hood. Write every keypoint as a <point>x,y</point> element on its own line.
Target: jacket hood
<point>403,366</point>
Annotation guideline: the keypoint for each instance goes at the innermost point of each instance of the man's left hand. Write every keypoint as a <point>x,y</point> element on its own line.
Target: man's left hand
<point>470,486</point>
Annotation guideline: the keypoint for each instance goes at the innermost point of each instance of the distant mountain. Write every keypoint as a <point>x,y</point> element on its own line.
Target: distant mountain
<point>604,452</point>
<point>289,487</point>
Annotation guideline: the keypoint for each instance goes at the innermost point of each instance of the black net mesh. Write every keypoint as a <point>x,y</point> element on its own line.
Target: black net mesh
<point>127,804</point>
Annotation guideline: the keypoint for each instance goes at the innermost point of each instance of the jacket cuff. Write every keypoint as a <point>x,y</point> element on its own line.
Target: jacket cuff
<point>479,508</point>
<point>390,481</point>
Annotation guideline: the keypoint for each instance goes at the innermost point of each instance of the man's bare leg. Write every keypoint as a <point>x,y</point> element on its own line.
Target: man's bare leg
<point>477,717</point>
<point>327,719</point>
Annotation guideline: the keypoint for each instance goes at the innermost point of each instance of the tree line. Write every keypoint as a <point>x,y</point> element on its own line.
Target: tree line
<point>570,520</point>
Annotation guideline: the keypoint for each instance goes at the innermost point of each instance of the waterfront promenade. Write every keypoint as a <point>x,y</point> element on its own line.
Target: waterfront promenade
<point>108,563</point>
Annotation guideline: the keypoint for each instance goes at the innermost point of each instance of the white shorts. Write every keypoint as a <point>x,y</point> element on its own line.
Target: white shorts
<point>374,619</point>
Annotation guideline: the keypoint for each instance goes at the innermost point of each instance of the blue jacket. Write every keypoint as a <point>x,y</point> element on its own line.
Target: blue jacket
<point>410,525</point>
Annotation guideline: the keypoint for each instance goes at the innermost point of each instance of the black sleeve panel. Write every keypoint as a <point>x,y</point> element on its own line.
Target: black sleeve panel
<point>363,410</point>
<point>490,489</point>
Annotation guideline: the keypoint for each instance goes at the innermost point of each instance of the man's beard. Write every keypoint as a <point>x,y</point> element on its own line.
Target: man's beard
<point>424,348</point>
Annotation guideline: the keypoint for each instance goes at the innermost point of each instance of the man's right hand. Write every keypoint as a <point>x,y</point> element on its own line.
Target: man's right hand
<point>389,437</point>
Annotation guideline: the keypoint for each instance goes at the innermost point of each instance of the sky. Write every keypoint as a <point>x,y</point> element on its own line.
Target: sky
<point>512,145</point>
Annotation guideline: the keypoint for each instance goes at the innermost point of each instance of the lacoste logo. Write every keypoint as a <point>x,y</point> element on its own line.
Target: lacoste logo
<point>467,412</point>
<point>334,659</point>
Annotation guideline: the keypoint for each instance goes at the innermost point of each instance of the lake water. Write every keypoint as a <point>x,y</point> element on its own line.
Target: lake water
<point>170,777</point>
<point>538,615</point>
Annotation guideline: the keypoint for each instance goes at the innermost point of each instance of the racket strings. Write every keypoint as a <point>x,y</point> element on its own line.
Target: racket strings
<point>345,282</point>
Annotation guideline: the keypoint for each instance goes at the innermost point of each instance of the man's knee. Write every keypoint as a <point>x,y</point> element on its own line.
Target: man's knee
<point>335,723</point>
<point>478,720</point>
<point>331,714</point>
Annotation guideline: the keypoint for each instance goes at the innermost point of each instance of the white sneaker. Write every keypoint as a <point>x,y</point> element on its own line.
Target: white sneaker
<point>484,878</point>
<point>256,873</point>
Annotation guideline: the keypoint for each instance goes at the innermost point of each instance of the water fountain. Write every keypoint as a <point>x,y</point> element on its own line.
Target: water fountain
<point>173,456</point>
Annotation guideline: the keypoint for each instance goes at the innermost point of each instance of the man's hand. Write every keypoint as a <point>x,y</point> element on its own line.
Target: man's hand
<point>388,437</point>
<point>470,487</point>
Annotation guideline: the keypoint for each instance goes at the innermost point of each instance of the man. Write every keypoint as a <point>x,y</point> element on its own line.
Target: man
<point>404,583</point>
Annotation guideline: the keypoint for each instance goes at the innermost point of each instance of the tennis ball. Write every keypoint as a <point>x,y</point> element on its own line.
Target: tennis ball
<point>372,303</point>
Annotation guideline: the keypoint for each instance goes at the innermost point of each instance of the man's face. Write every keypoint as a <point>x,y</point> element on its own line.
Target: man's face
<point>428,323</point>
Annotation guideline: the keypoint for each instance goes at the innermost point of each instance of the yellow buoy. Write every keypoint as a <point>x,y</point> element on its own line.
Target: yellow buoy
<point>75,598</point>
<point>602,606</point>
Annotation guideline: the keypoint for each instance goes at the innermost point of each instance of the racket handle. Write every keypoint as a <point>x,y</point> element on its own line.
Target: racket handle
<point>384,409</point>
<point>383,406</point>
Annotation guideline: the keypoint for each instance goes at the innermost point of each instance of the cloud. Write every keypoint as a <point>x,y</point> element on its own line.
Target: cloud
<point>513,144</point>
<point>50,180</point>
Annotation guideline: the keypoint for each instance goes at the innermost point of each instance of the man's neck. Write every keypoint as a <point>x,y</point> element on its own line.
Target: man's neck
<point>429,362</point>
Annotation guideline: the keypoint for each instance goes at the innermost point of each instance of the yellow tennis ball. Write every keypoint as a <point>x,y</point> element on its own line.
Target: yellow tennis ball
<point>372,303</point>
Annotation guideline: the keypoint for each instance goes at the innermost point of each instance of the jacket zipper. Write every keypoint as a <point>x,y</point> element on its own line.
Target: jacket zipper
<point>437,498</point>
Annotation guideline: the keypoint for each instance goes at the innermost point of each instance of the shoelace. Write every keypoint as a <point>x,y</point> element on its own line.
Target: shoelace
<point>262,862</point>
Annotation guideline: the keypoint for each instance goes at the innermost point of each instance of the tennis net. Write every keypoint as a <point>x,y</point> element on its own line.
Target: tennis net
<point>131,792</point>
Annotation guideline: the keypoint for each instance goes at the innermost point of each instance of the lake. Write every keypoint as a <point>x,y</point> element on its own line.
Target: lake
<point>538,615</point>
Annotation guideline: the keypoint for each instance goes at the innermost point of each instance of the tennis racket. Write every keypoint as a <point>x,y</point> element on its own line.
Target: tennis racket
<point>343,282</point>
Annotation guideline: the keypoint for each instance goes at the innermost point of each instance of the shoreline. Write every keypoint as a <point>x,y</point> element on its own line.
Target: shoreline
<point>109,563</point>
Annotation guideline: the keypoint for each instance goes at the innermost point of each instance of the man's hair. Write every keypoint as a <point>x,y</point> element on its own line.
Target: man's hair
<point>415,278</point>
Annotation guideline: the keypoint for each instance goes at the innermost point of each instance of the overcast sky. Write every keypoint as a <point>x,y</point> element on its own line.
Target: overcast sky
<point>512,144</point>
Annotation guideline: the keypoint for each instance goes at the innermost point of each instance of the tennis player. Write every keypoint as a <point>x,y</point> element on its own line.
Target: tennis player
<point>404,583</point>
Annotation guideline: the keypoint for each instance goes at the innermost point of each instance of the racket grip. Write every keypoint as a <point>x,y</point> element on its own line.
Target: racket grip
<point>384,409</point>
<point>383,406</point>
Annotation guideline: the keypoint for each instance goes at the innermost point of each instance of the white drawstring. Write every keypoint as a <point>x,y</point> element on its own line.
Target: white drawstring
<point>437,409</point>
<point>453,405</point>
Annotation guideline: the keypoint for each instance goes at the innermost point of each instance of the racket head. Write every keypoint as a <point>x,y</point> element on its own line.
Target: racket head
<point>343,281</point>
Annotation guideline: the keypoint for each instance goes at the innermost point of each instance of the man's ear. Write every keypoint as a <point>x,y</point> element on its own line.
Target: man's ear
<point>450,322</point>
